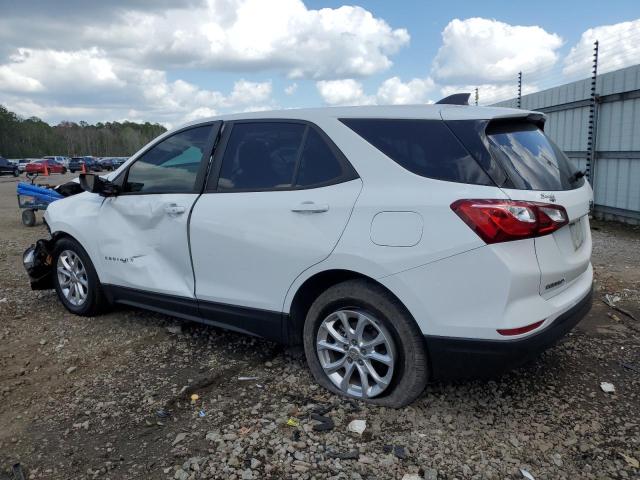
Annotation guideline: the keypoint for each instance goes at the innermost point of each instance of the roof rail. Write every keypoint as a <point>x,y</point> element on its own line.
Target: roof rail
<point>455,99</point>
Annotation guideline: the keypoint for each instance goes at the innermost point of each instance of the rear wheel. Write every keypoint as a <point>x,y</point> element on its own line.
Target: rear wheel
<point>28,218</point>
<point>362,343</point>
<point>76,280</point>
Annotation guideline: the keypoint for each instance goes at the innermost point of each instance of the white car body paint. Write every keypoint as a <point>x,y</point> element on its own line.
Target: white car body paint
<point>250,249</point>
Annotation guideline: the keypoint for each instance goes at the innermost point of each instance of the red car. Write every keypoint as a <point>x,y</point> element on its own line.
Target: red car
<point>37,166</point>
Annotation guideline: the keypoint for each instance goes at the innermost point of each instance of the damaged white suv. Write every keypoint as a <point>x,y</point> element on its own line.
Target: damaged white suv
<point>396,244</point>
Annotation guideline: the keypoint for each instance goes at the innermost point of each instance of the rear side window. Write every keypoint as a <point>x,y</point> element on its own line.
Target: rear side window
<point>262,156</point>
<point>318,164</point>
<point>424,147</point>
<point>530,159</point>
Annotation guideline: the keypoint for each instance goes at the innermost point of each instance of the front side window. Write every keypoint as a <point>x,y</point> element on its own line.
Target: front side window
<point>172,165</point>
<point>261,156</point>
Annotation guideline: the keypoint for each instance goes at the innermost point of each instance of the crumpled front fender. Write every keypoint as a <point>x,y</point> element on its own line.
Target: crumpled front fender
<point>38,262</point>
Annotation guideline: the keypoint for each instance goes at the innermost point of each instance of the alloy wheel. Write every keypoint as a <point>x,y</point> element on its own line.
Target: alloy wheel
<point>356,352</point>
<point>73,278</point>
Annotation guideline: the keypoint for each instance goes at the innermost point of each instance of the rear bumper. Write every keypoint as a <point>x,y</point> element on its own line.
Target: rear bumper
<point>455,358</point>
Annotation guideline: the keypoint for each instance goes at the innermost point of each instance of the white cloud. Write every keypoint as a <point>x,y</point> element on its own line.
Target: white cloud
<point>343,92</point>
<point>13,81</point>
<point>487,51</point>
<point>291,89</point>
<point>392,91</point>
<point>235,35</point>
<point>87,85</point>
<point>245,92</point>
<point>619,47</point>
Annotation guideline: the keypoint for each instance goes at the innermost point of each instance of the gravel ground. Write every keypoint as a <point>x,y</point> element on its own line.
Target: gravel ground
<point>110,397</point>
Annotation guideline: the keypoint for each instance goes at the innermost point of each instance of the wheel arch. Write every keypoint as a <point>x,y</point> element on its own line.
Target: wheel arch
<point>60,234</point>
<point>311,288</point>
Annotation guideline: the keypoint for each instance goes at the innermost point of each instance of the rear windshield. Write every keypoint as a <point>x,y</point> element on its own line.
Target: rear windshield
<point>530,159</point>
<point>424,147</point>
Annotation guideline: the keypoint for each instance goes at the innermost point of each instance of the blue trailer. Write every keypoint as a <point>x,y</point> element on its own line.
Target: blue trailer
<point>32,198</point>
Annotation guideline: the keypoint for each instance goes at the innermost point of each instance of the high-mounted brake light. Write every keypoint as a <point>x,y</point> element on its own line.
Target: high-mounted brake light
<point>506,220</point>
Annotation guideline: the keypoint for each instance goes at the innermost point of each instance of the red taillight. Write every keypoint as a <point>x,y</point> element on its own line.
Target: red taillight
<point>519,330</point>
<point>506,220</point>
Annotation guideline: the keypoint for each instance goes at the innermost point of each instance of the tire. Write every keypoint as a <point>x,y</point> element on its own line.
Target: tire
<point>28,218</point>
<point>364,300</point>
<point>63,171</point>
<point>94,302</point>
<point>16,173</point>
<point>72,170</point>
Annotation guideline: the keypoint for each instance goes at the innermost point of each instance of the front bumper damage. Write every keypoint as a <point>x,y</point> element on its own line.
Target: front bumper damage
<point>38,262</point>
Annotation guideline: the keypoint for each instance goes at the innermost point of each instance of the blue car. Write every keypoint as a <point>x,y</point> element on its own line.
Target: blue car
<point>91,164</point>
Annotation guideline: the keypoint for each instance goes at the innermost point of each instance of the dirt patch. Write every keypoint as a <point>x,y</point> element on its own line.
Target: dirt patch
<point>110,397</point>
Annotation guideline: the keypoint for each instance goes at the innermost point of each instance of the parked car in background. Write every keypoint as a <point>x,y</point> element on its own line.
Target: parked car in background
<point>37,166</point>
<point>22,164</point>
<point>8,168</point>
<point>63,160</point>
<point>111,163</point>
<point>91,164</point>
<point>397,244</point>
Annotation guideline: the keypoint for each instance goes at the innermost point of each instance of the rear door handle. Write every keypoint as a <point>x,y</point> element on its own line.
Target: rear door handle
<point>310,207</point>
<point>174,209</point>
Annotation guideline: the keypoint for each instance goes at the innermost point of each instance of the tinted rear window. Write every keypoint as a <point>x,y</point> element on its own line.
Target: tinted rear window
<point>424,147</point>
<point>530,159</point>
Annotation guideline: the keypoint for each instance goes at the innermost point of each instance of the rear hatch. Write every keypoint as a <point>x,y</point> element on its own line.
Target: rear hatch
<point>540,172</point>
<point>528,166</point>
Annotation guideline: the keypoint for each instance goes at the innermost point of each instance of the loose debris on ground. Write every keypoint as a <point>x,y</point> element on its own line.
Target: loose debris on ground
<point>132,395</point>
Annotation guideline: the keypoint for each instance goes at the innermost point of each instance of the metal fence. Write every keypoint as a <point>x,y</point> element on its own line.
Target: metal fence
<point>613,157</point>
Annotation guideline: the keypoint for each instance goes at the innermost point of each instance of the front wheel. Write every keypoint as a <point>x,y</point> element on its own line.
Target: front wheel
<point>76,280</point>
<point>361,342</point>
<point>16,173</point>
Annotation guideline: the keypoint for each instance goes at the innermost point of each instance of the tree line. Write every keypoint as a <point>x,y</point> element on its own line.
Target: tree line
<point>34,138</point>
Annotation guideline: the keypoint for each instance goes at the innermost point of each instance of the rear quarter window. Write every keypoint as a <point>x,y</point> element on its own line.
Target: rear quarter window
<point>424,147</point>
<point>530,159</point>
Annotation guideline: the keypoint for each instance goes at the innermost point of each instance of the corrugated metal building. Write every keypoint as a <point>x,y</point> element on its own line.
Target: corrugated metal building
<point>616,169</point>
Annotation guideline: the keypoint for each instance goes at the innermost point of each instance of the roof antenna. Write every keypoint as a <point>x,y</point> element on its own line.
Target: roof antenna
<point>455,99</point>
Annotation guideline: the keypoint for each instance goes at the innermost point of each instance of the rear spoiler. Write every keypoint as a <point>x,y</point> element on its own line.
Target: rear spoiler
<point>535,118</point>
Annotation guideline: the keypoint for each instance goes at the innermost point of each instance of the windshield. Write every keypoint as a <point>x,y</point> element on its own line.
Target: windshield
<point>530,159</point>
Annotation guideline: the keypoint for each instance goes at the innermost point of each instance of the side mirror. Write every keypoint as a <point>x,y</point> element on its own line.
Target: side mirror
<point>94,184</point>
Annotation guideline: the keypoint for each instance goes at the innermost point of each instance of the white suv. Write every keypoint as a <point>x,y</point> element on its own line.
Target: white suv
<point>397,244</point>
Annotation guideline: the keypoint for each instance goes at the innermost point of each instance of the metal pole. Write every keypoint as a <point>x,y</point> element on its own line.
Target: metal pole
<point>593,119</point>
<point>476,96</point>
<point>519,89</point>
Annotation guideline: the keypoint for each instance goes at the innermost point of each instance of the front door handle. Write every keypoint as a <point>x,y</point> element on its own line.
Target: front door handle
<point>310,207</point>
<point>174,209</point>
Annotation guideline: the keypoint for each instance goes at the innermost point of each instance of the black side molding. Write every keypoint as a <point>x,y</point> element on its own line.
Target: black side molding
<point>251,321</point>
<point>455,99</point>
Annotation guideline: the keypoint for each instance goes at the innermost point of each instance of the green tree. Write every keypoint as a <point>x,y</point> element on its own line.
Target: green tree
<point>33,138</point>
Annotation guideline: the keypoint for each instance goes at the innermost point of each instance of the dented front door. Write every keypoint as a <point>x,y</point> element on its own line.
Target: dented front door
<point>143,232</point>
<point>144,246</point>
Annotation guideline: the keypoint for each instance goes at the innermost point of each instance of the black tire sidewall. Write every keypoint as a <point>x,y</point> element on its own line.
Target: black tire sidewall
<point>28,218</point>
<point>91,305</point>
<point>371,298</point>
